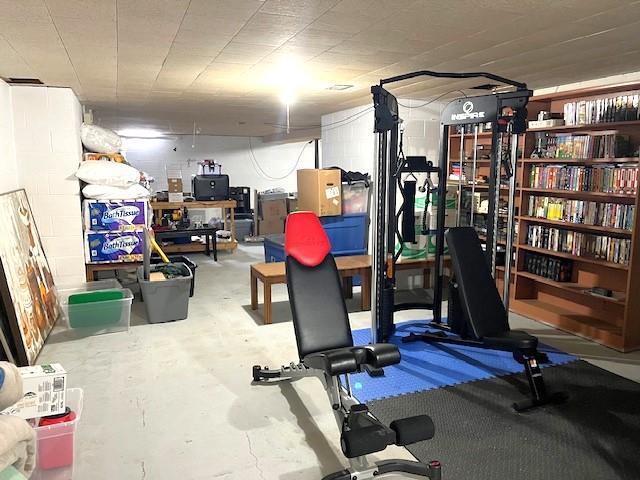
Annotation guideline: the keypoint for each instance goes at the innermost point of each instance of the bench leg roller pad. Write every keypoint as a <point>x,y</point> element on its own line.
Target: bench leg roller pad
<point>363,441</point>
<point>413,429</point>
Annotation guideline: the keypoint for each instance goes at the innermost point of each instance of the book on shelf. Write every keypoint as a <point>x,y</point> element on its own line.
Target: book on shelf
<point>597,178</point>
<point>610,215</point>
<point>608,144</point>
<point>620,108</point>
<point>556,269</point>
<point>598,247</point>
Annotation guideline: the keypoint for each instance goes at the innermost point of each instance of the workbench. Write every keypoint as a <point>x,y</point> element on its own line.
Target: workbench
<point>227,206</point>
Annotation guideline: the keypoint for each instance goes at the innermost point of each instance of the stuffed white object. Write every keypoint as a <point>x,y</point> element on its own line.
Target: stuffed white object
<point>100,140</point>
<point>104,172</point>
<point>106,192</point>
<point>17,438</point>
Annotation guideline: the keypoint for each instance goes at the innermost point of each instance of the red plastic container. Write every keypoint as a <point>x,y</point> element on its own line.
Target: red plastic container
<point>56,441</point>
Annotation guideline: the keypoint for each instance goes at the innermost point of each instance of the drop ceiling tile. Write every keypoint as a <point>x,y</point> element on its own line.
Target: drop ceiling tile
<point>85,10</point>
<point>318,38</point>
<point>24,10</point>
<point>213,25</point>
<point>334,21</point>
<point>236,9</point>
<point>298,8</point>
<point>152,9</point>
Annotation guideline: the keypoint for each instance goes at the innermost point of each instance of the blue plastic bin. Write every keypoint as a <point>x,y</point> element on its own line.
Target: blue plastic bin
<point>347,234</point>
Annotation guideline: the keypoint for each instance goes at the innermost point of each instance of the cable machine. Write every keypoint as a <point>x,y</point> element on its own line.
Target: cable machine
<point>507,114</point>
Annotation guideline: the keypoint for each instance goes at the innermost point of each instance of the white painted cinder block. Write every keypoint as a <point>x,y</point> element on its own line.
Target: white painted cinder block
<point>48,151</point>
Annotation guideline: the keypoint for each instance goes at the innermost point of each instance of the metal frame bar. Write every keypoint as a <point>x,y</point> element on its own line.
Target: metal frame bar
<point>515,138</point>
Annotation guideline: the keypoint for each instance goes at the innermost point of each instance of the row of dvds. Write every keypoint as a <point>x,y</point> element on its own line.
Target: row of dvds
<point>599,247</point>
<point>610,215</point>
<point>602,110</point>
<point>597,178</point>
<point>605,145</point>
<point>556,269</point>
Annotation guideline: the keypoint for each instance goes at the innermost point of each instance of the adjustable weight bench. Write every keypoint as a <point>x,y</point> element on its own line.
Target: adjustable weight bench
<point>326,351</point>
<point>478,317</point>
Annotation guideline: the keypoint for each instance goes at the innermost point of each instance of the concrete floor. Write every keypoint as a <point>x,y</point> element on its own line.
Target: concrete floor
<point>175,401</point>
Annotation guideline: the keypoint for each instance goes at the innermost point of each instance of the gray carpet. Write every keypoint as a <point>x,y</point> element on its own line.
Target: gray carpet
<point>595,435</point>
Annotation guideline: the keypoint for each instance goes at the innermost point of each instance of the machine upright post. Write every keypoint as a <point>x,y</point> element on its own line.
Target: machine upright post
<point>438,267</point>
<point>473,173</point>
<point>510,223</point>
<point>460,164</point>
<point>378,254</point>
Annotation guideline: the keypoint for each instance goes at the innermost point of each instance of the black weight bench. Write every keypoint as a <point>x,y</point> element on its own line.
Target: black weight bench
<point>478,317</point>
<point>327,352</point>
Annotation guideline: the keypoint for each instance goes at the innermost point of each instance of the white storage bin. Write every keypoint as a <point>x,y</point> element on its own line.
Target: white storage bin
<point>97,317</point>
<point>56,444</point>
<point>355,198</point>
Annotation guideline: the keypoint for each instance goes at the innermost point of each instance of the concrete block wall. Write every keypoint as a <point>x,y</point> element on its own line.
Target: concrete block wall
<point>46,126</point>
<point>8,166</point>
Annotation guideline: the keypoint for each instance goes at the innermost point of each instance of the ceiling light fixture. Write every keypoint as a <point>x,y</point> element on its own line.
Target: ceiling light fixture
<point>340,87</point>
<point>140,133</point>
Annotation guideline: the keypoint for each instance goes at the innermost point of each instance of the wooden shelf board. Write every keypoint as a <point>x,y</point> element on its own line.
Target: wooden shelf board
<point>470,135</point>
<point>197,247</point>
<point>594,126</point>
<point>583,325</point>
<point>582,161</point>
<point>544,251</point>
<point>484,239</point>
<point>227,245</point>
<point>580,194</point>
<point>576,226</point>
<point>208,204</point>
<point>572,287</point>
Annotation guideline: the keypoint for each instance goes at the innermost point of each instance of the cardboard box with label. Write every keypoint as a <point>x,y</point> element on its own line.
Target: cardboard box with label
<point>44,389</point>
<point>174,185</point>
<point>320,191</point>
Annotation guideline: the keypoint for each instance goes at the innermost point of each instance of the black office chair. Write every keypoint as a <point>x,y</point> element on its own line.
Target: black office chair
<point>478,317</point>
<point>326,351</point>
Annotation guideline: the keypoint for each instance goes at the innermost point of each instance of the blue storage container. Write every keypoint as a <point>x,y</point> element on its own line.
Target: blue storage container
<point>347,234</point>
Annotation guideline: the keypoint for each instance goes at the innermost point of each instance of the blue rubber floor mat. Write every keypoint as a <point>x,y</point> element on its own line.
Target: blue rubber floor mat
<point>425,366</point>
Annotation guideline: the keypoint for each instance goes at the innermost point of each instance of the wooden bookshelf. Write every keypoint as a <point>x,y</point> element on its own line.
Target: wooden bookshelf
<point>612,321</point>
<point>577,226</point>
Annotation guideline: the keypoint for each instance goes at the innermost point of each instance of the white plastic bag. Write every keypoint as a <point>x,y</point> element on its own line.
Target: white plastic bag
<point>104,172</point>
<point>100,140</point>
<point>106,192</point>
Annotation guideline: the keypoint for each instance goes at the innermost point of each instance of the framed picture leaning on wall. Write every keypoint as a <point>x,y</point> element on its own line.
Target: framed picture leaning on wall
<point>26,284</point>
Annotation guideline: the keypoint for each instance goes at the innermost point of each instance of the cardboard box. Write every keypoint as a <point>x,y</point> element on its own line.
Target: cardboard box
<point>113,157</point>
<point>114,247</point>
<point>292,204</point>
<point>273,209</point>
<point>176,197</point>
<point>320,191</point>
<point>106,215</point>
<point>271,226</point>
<point>174,185</point>
<point>44,389</point>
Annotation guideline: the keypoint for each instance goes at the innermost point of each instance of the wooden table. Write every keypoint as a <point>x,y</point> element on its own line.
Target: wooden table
<point>274,273</point>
